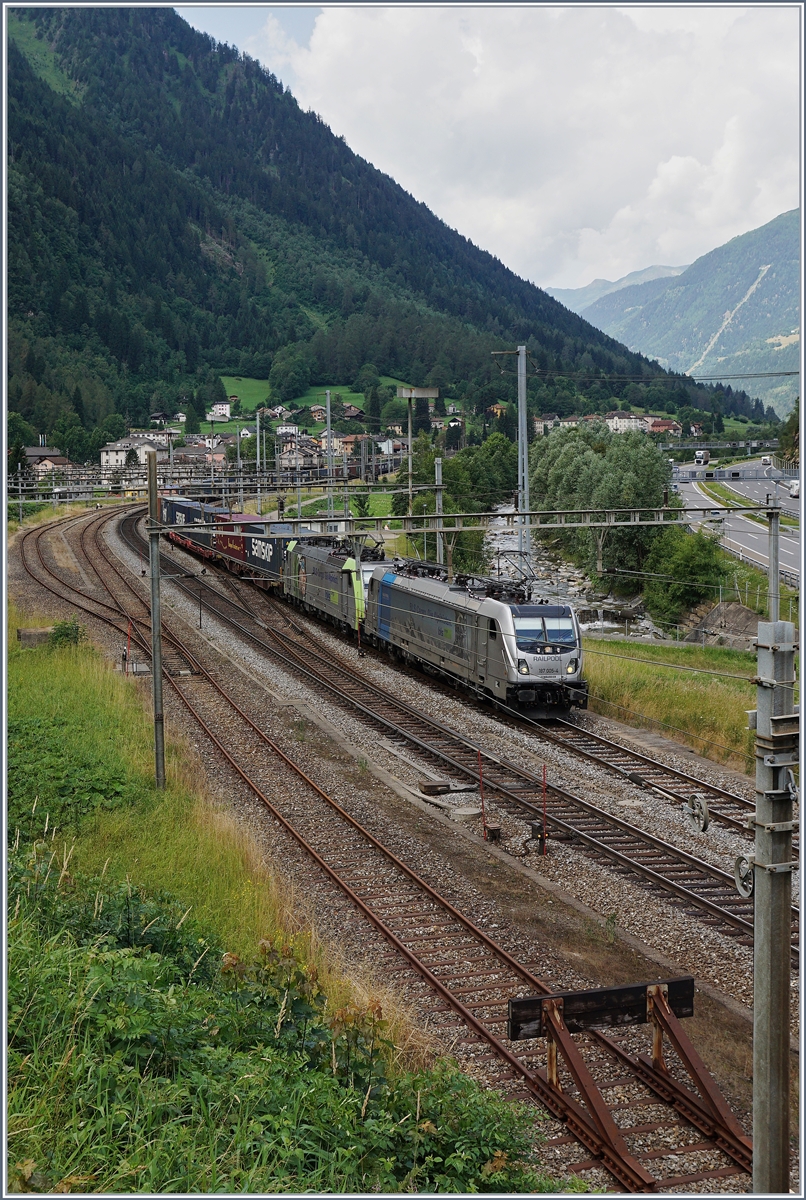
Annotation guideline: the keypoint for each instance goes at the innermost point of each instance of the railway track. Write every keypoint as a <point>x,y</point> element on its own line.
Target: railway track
<point>724,807</point>
<point>699,888</point>
<point>642,1140</point>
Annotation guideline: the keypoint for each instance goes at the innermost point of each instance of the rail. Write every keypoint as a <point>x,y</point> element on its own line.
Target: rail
<point>704,889</point>
<point>407,909</point>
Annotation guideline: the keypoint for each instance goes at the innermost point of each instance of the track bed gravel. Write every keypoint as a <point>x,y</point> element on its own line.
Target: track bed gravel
<point>562,947</point>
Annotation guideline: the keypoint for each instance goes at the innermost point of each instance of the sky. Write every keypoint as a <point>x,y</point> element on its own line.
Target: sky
<point>573,142</point>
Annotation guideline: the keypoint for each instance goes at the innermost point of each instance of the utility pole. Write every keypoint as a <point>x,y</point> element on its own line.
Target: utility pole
<point>774,538</point>
<point>238,467</point>
<point>329,457</point>
<point>776,725</point>
<point>277,479</point>
<point>156,619</point>
<point>257,461</point>
<point>524,530</point>
<point>346,476</point>
<point>212,459</point>
<point>410,467</point>
<point>299,483</point>
<point>438,481</point>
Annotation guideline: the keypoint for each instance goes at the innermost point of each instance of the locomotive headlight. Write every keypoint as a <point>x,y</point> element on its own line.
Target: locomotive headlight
<point>523,666</point>
<point>572,666</point>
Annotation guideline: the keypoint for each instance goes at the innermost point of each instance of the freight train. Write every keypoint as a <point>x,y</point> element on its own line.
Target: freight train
<point>487,635</point>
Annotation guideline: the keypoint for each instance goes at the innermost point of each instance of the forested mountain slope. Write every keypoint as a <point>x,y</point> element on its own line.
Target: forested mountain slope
<point>735,309</point>
<point>173,215</point>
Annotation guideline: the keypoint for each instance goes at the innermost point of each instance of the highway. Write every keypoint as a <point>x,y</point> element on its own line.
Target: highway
<point>740,533</point>
<point>758,489</point>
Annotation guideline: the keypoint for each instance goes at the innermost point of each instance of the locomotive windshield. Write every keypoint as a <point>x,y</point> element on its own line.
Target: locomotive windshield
<point>560,629</point>
<point>366,575</point>
<point>535,630</point>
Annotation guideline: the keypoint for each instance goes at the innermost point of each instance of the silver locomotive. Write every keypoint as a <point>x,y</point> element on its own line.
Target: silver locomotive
<point>492,637</point>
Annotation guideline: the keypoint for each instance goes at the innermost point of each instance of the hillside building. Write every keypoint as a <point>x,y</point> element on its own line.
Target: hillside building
<point>624,422</point>
<point>113,454</point>
<point>546,423</point>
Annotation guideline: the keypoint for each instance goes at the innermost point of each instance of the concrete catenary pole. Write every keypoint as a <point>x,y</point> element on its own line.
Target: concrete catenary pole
<point>156,619</point>
<point>345,472</point>
<point>776,755</point>
<point>438,481</point>
<point>299,474</point>
<point>524,529</point>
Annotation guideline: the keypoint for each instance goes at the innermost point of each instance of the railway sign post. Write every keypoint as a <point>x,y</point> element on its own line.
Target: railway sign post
<point>777,741</point>
<point>156,619</point>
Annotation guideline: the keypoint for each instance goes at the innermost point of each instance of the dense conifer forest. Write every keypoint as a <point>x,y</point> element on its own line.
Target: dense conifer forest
<point>174,216</point>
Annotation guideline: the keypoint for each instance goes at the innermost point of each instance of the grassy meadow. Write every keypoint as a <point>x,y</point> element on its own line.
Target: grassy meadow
<point>39,512</point>
<point>704,708</point>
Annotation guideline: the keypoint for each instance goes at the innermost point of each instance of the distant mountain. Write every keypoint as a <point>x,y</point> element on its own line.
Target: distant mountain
<point>735,309</point>
<point>578,299</point>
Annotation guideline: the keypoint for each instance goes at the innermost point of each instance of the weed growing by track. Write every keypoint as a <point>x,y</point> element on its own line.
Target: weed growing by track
<point>168,1028</point>
<point>41,512</point>
<point>704,711</point>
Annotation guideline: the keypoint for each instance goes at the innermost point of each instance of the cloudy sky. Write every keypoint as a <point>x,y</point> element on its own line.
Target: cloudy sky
<point>573,142</point>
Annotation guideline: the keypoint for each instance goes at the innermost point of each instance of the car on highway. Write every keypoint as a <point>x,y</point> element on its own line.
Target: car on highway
<point>794,489</point>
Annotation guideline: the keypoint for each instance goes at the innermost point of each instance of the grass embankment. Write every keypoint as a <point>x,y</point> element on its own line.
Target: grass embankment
<point>173,1024</point>
<point>38,512</point>
<point>706,711</point>
<point>732,499</point>
<point>380,505</point>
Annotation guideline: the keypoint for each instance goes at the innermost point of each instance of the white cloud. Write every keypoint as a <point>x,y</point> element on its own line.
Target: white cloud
<point>571,142</point>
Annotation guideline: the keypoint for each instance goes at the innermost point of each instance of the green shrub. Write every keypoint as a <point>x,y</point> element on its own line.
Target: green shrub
<point>67,633</point>
<point>53,779</point>
<point>691,568</point>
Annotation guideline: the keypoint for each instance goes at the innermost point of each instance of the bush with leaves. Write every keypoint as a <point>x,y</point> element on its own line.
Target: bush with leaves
<point>51,780</point>
<point>67,632</point>
<point>689,567</point>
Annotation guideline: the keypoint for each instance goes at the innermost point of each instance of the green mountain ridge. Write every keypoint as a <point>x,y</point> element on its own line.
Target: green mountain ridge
<point>735,309</point>
<point>174,216</point>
